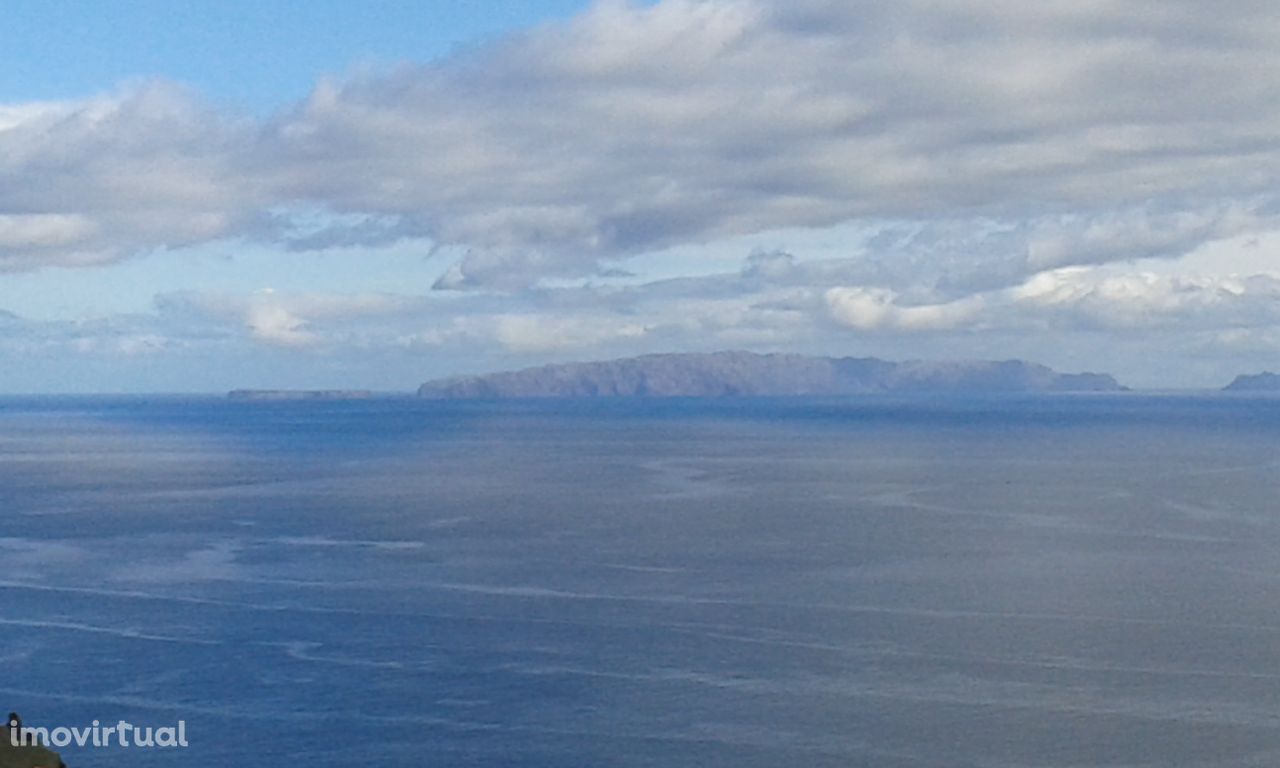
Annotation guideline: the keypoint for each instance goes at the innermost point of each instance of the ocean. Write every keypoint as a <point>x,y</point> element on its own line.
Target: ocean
<point>884,581</point>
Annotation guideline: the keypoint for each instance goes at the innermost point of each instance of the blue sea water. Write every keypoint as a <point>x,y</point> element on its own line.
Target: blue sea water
<point>987,582</point>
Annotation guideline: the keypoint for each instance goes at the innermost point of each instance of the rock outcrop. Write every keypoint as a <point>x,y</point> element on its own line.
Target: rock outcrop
<point>746,374</point>
<point>1258,382</point>
<point>17,752</point>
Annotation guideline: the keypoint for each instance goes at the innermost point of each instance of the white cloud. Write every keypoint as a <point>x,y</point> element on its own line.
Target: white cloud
<point>43,230</point>
<point>1112,317</point>
<point>290,320</point>
<point>870,309</point>
<point>1033,170</point>
<point>1135,300</point>
<point>637,127</point>
<point>539,333</point>
<point>95,181</point>
<point>277,325</point>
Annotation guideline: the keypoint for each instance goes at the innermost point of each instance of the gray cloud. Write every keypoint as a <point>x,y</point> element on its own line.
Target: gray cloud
<point>638,128</point>
<point>1016,169</point>
<point>94,182</point>
<point>772,302</point>
<point>1111,316</point>
<point>633,128</point>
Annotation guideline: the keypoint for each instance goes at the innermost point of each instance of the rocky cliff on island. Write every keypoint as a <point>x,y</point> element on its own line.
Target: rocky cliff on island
<point>1257,382</point>
<point>747,374</point>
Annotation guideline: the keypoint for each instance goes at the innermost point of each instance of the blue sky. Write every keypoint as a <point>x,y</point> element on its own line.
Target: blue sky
<point>208,195</point>
<point>253,56</point>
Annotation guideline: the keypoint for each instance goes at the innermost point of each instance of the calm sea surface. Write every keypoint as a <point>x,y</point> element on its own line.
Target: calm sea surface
<point>1068,581</point>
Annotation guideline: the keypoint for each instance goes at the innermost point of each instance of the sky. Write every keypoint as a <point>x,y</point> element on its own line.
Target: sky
<point>209,195</point>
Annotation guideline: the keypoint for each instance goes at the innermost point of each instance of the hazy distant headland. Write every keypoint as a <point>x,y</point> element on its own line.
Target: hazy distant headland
<point>299,394</point>
<point>721,374</point>
<point>1258,382</point>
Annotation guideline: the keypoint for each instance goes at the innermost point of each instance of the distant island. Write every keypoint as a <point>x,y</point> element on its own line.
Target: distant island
<point>746,374</point>
<point>299,394</point>
<point>1258,382</point>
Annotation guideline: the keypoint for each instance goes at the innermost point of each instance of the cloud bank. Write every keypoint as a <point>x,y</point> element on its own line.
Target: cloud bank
<point>1006,155</point>
<point>634,127</point>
